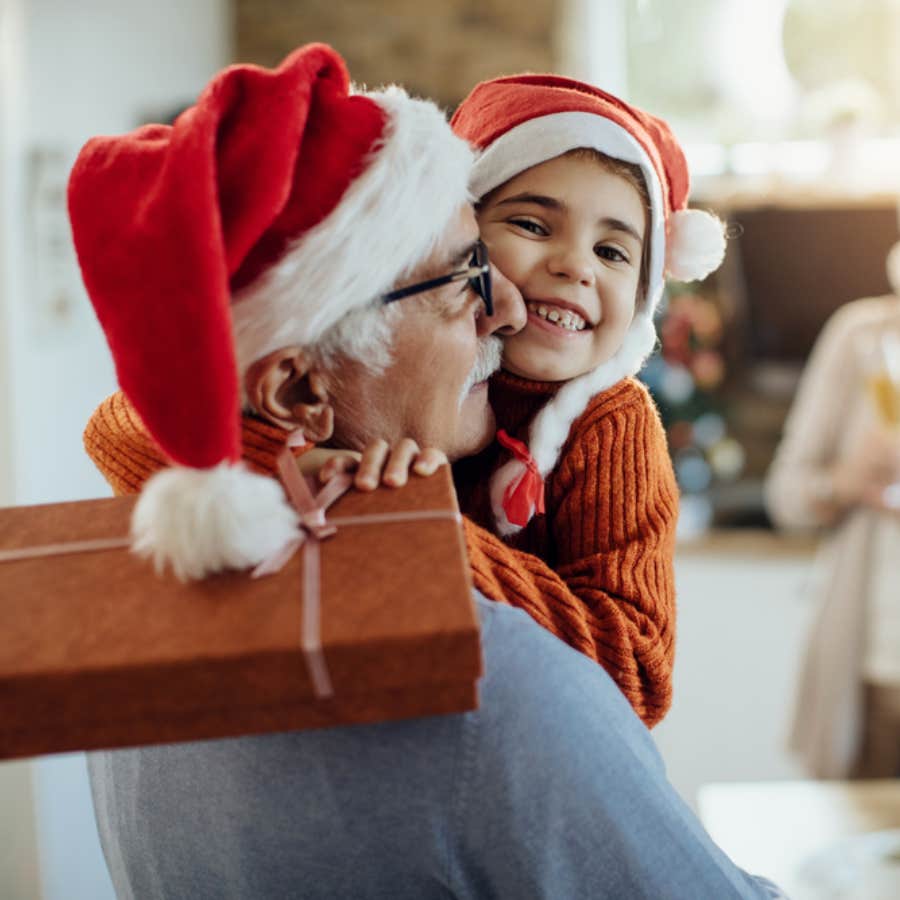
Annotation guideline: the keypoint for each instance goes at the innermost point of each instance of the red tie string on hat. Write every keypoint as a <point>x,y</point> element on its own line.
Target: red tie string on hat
<point>526,493</point>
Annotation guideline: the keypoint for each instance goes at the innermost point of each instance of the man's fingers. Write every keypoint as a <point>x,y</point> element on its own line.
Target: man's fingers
<point>396,472</point>
<point>429,461</point>
<point>370,467</point>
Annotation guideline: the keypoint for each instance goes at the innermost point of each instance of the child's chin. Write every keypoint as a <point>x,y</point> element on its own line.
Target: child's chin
<point>536,363</point>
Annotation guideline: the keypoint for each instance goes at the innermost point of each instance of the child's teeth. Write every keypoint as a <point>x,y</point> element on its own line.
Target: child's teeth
<point>564,319</point>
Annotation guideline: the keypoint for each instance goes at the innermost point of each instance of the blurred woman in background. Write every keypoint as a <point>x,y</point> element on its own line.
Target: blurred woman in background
<point>838,469</point>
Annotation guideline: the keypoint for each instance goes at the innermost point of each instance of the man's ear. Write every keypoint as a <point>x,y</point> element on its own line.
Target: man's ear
<point>285,389</point>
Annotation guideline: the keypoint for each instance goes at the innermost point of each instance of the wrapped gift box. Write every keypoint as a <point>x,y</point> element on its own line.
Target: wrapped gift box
<point>97,650</point>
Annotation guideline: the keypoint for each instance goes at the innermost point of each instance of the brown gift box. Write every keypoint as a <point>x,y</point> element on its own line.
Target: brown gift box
<point>96,650</point>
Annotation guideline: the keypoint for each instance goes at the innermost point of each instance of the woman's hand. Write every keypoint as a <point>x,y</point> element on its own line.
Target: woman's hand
<point>870,475</point>
<point>378,464</point>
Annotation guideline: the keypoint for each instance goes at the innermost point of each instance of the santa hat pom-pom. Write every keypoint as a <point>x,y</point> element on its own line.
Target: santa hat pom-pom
<point>201,521</point>
<point>893,268</point>
<point>695,244</point>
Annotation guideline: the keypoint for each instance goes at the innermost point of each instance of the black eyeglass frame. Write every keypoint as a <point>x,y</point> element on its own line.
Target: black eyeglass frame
<point>478,274</point>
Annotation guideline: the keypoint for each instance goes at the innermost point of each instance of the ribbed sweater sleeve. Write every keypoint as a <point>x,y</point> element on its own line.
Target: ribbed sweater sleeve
<point>120,446</point>
<point>606,583</point>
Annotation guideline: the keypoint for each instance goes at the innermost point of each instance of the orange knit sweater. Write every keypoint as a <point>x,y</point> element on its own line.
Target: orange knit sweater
<point>633,645</point>
<point>608,533</point>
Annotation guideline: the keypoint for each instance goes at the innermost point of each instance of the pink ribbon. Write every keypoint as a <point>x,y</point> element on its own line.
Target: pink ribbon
<point>314,528</point>
<point>64,548</point>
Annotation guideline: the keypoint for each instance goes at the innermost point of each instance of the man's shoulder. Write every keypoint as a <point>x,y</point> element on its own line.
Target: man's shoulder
<point>551,690</point>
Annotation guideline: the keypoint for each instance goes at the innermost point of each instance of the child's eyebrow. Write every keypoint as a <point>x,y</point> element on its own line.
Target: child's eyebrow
<point>619,225</point>
<point>558,206</point>
<point>537,199</point>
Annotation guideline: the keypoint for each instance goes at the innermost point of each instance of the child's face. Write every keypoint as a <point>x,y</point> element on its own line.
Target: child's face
<point>569,234</point>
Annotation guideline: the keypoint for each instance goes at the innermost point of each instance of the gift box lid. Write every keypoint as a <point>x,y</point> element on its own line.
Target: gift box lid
<point>95,635</point>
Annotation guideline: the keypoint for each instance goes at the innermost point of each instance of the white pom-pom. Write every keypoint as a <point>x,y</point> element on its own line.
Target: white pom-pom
<point>695,244</point>
<point>893,268</point>
<point>200,521</point>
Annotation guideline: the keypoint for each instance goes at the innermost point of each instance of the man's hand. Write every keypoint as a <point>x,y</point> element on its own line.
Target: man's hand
<point>378,464</point>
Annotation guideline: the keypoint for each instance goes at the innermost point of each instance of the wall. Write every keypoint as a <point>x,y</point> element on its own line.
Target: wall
<point>441,50</point>
<point>95,67</point>
<point>69,71</point>
<point>743,615</point>
<point>438,50</point>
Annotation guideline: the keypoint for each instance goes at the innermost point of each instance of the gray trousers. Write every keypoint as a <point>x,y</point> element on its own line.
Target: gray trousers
<point>552,789</point>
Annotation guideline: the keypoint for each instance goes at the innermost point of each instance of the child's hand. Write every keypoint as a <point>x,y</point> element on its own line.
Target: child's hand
<point>378,463</point>
<point>314,461</point>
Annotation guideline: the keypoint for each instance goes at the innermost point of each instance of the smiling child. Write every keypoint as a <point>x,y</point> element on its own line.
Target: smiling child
<point>582,206</point>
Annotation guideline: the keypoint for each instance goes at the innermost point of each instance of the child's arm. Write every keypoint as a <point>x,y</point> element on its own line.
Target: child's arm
<point>612,510</point>
<point>126,455</point>
<point>121,447</point>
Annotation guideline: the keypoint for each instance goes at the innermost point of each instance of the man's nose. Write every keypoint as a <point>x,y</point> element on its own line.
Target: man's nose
<point>509,308</point>
<point>572,263</point>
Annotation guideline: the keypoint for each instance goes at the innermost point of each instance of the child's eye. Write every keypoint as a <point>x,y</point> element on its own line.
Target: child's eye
<point>530,225</point>
<point>613,254</point>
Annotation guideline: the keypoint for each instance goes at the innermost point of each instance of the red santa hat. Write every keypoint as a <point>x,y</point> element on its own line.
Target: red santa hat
<point>520,121</point>
<point>277,204</point>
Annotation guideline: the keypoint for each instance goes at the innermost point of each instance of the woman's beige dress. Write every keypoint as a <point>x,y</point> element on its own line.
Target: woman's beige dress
<point>855,640</point>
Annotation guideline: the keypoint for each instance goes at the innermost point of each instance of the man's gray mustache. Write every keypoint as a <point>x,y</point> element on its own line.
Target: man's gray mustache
<point>490,352</point>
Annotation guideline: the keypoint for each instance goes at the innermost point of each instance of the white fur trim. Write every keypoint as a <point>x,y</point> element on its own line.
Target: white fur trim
<point>893,268</point>
<point>551,426</point>
<point>389,220</point>
<point>696,244</point>
<point>201,521</point>
<point>547,137</point>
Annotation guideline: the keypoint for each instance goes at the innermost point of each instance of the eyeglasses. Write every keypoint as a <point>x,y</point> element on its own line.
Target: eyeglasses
<point>478,274</point>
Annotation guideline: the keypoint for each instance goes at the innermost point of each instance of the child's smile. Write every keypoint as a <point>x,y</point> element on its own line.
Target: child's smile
<point>569,234</point>
<point>554,315</point>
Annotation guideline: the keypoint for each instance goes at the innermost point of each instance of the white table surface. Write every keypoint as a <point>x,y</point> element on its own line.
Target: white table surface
<point>775,828</point>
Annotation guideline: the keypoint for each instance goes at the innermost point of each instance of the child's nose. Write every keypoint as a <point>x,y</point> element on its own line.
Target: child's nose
<point>572,263</point>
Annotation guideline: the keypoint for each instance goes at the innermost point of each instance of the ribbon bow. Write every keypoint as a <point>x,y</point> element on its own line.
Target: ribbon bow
<point>527,492</point>
<point>310,507</point>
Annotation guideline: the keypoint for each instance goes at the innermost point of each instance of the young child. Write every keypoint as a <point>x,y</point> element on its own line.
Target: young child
<point>581,202</point>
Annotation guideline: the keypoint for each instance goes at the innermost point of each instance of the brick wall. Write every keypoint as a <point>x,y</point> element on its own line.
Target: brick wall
<point>438,50</point>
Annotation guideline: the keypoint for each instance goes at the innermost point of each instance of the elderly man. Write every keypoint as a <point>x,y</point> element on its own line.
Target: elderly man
<point>253,253</point>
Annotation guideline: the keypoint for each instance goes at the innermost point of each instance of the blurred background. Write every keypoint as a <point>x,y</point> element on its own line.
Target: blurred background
<point>790,114</point>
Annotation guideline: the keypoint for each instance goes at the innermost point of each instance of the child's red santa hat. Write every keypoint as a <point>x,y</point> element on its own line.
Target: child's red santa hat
<point>277,204</point>
<point>521,121</point>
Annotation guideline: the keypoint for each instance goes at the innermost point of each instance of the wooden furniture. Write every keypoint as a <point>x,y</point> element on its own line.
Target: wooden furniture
<point>795,257</point>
